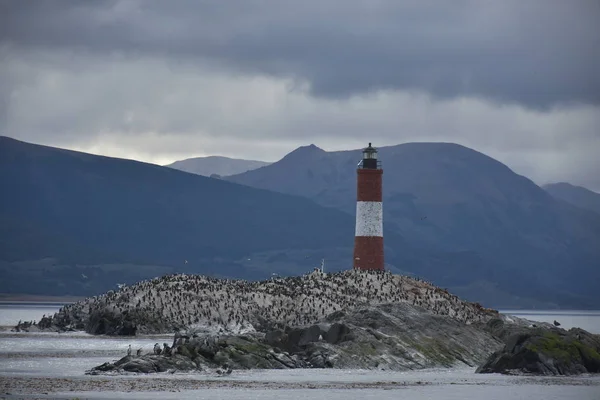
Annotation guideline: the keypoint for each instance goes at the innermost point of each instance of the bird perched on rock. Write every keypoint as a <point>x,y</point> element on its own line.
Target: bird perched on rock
<point>166,349</point>
<point>556,323</point>
<point>139,351</point>
<point>129,350</point>
<point>225,370</point>
<point>157,349</point>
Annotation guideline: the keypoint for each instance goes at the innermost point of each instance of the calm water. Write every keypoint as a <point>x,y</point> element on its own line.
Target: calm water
<point>12,312</point>
<point>69,355</point>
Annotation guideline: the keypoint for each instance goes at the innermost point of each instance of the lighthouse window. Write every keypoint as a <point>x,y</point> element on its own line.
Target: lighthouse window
<point>370,155</point>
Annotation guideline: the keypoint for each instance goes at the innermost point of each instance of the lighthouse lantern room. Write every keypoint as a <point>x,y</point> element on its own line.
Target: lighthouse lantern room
<point>369,160</point>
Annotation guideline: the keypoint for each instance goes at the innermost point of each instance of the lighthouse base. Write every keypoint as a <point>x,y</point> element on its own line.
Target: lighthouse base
<point>368,253</point>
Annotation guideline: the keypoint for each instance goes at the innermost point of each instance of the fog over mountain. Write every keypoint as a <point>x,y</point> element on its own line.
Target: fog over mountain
<point>222,166</point>
<point>576,195</point>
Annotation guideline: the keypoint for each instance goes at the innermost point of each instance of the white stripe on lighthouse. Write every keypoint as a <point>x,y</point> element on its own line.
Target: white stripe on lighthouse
<point>369,218</point>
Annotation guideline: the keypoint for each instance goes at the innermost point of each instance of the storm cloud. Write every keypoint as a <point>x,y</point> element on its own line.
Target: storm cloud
<point>163,80</point>
<point>535,53</point>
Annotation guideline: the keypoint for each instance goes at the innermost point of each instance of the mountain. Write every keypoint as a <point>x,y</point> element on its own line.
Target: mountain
<point>75,223</point>
<point>222,166</point>
<point>443,197</point>
<point>576,195</point>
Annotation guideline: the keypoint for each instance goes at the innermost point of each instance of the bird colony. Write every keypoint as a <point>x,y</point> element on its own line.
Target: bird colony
<point>236,306</point>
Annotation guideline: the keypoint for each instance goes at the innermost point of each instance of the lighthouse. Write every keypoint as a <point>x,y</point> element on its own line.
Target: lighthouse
<point>368,240</point>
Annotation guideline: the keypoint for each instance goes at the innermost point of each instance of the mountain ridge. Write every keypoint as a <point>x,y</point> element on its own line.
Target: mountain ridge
<point>576,195</point>
<point>78,208</point>
<point>216,165</point>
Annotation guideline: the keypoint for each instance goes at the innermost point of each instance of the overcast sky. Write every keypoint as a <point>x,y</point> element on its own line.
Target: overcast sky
<point>164,80</point>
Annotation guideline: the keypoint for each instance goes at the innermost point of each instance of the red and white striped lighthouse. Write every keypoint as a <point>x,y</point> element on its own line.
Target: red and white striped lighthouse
<point>368,240</point>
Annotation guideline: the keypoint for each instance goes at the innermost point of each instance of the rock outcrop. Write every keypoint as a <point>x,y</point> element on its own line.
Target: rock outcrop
<point>146,364</point>
<point>177,302</point>
<point>543,350</point>
<point>387,336</point>
<point>208,353</point>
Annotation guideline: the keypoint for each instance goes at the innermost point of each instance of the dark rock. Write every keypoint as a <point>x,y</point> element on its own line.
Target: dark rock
<point>338,333</point>
<point>27,326</point>
<point>297,338</point>
<point>404,337</point>
<point>202,353</point>
<point>544,351</point>
<point>206,347</point>
<point>275,337</point>
<point>314,333</point>
<point>318,358</point>
<point>107,323</point>
<point>146,364</point>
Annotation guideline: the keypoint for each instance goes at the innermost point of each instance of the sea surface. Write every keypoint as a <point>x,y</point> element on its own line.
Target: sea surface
<point>52,365</point>
<point>11,312</point>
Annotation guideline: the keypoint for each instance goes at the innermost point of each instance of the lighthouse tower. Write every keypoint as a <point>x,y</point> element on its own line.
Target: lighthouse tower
<point>368,240</point>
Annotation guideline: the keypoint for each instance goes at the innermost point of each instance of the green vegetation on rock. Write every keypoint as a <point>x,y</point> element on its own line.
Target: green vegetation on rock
<point>562,348</point>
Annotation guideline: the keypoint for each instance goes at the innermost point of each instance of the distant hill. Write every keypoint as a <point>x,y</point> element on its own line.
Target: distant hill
<point>446,197</point>
<point>62,209</point>
<point>75,223</point>
<point>576,195</point>
<point>216,165</point>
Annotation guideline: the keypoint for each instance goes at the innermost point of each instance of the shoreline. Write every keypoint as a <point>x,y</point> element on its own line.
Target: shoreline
<point>27,385</point>
<point>35,298</point>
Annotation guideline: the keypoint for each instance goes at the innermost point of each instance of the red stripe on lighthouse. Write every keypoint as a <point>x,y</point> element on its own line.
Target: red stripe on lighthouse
<point>368,185</point>
<point>368,253</point>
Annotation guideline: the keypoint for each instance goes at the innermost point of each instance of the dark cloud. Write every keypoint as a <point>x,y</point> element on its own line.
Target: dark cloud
<point>166,80</point>
<point>535,53</point>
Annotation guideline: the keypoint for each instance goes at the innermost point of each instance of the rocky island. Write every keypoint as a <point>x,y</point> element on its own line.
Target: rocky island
<point>349,319</point>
